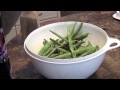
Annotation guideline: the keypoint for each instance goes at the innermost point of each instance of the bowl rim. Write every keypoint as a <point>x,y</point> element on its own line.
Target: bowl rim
<point>66,61</point>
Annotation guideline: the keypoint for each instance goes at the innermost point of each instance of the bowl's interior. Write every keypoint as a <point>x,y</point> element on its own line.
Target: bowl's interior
<point>34,41</point>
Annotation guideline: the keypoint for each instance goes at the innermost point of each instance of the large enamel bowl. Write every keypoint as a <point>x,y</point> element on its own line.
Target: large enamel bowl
<point>75,68</point>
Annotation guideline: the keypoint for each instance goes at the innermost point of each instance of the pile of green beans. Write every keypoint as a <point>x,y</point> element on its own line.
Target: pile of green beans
<point>70,46</point>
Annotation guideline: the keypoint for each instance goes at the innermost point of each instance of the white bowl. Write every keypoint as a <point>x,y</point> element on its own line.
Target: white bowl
<point>117,15</point>
<point>75,68</point>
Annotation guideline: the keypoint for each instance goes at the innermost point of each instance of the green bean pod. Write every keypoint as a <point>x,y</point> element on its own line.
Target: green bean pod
<point>92,50</point>
<point>73,27</point>
<point>55,42</point>
<point>82,36</point>
<point>78,30</point>
<point>51,52</point>
<point>82,50</point>
<point>48,51</point>
<point>81,47</point>
<point>89,44</point>
<point>45,41</point>
<point>69,55</point>
<point>75,41</point>
<point>79,44</point>
<point>62,40</point>
<point>45,48</point>
<point>63,44</point>
<point>53,55</point>
<point>70,42</point>
<point>59,36</point>
<point>62,50</point>
<point>97,48</point>
<point>64,56</point>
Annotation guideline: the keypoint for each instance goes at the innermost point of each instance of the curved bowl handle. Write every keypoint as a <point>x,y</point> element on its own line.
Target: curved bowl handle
<point>112,41</point>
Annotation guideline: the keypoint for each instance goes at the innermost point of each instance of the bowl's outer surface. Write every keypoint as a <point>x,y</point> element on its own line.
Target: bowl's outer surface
<point>80,70</point>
